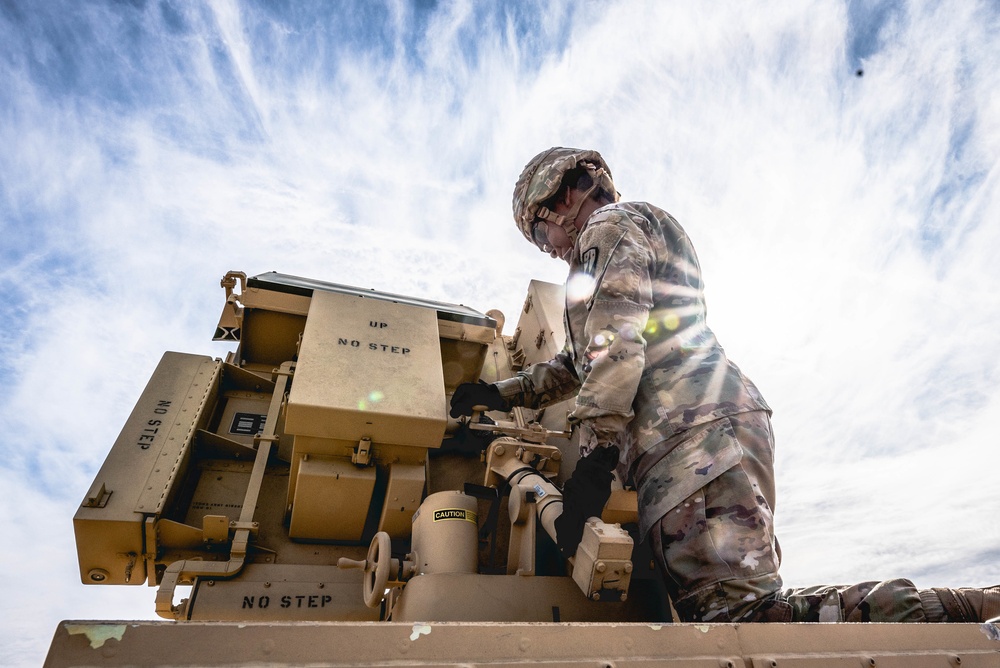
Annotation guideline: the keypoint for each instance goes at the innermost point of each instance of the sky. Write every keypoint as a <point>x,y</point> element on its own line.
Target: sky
<point>837,165</point>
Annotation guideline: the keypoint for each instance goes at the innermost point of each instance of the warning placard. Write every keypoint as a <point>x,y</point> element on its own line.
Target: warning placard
<point>445,514</point>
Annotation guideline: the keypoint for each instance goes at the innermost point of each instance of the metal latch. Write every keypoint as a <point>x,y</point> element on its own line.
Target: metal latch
<point>362,453</point>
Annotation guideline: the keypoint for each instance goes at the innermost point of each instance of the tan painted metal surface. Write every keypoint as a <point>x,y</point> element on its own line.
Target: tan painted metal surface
<point>498,644</point>
<point>138,474</point>
<point>368,368</point>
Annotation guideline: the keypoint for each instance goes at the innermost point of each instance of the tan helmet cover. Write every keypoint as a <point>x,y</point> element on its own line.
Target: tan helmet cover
<point>541,179</point>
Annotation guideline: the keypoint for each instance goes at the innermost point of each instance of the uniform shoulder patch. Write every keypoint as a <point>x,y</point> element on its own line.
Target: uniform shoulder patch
<point>588,261</point>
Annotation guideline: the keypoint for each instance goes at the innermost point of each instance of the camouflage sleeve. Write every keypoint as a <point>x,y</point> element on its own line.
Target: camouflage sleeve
<point>541,384</point>
<point>617,255</point>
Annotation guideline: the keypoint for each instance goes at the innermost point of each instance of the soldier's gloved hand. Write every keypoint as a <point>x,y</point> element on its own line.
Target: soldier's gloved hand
<point>468,395</point>
<point>584,496</point>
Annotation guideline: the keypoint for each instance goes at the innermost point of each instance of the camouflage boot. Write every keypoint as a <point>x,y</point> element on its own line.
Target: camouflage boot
<point>961,605</point>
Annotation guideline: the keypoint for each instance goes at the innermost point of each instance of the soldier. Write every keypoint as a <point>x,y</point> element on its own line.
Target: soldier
<point>657,398</point>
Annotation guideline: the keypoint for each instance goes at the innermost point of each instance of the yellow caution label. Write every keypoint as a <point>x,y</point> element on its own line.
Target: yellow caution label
<point>454,514</point>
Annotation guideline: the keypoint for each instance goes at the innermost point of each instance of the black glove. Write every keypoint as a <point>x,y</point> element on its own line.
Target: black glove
<point>584,496</point>
<point>468,395</point>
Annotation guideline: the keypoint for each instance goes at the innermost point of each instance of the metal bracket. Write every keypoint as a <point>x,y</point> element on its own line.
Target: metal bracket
<point>506,455</point>
<point>523,521</point>
<point>252,527</point>
<point>230,280</point>
<point>215,528</point>
<point>512,344</point>
<point>517,359</point>
<point>98,500</point>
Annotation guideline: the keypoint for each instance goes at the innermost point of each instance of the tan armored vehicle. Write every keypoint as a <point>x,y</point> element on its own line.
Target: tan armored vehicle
<point>308,501</point>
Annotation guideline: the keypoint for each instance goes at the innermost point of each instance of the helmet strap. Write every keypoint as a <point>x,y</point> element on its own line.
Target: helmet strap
<point>568,221</point>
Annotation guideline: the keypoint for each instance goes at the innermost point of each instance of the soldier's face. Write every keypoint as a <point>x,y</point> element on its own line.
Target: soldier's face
<point>552,238</point>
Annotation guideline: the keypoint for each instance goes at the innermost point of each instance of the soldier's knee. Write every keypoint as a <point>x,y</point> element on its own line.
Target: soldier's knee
<point>749,600</point>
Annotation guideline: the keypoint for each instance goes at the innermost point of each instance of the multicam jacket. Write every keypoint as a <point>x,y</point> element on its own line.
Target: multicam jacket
<point>638,348</point>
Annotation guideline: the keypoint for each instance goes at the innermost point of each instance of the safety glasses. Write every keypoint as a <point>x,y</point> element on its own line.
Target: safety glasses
<point>540,233</point>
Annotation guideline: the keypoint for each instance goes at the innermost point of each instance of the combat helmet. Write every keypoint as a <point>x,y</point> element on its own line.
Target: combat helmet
<point>542,178</point>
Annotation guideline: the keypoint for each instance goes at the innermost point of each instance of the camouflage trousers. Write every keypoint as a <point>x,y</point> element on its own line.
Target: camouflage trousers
<point>719,555</point>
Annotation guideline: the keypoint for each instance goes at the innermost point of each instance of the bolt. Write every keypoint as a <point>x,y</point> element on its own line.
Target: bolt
<point>211,583</point>
<point>498,450</point>
<point>595,596</point>
<point>628,567</point>
<point>267,584</point>
<point>623,597</point>
<point>600,567</point>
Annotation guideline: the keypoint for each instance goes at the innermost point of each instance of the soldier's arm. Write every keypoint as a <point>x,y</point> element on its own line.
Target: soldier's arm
<point>618,310</point>
<point>541,384</point>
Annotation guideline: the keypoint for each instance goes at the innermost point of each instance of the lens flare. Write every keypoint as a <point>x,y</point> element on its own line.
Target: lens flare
<point>580,288</point>
<point>374,397</point>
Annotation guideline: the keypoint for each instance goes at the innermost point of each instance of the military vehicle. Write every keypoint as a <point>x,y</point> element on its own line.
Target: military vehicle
<point>308,501</point>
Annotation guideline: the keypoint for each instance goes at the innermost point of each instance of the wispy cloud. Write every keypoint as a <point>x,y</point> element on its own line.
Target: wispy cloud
<point>845,223</point>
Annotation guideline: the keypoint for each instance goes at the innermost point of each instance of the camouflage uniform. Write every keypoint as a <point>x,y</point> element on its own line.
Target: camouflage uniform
<point>693,431</point>
<point>649,375</point>
<point>651,378</point>
<point>639,356</point>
